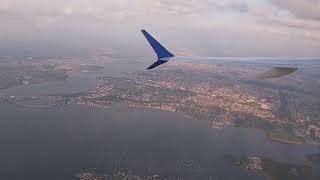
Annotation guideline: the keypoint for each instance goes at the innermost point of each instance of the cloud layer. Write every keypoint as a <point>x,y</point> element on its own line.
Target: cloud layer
<point>242,25</point>
<point>307,9</point>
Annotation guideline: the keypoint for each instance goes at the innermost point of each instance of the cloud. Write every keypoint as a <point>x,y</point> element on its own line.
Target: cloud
<point>119,20</point>
<point>307,9</point>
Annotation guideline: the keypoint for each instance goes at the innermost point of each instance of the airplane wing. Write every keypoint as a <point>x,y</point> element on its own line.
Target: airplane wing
<point>164,56</point>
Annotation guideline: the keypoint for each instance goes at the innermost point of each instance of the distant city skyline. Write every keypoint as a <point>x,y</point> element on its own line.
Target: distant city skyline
<point>201,28</point>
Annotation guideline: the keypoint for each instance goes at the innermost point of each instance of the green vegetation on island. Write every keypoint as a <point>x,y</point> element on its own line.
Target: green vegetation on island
<point>283,134</point>
<point>273,169</point>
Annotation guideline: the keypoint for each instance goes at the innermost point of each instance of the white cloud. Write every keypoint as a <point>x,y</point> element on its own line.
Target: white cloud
<point>68,11</point>
<point>308,9</point>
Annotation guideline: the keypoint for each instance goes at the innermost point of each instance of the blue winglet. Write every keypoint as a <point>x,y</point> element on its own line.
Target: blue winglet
<point>157,47</point>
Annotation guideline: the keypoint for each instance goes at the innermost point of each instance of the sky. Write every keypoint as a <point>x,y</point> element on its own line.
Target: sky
<point>289,28</point>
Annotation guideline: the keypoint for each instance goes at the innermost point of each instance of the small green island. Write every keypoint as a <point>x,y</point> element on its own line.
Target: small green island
<point>273,169</point>
<point>279,133</point>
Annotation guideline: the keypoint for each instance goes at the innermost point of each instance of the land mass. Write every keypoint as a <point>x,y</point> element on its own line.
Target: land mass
<point>224,96</point>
